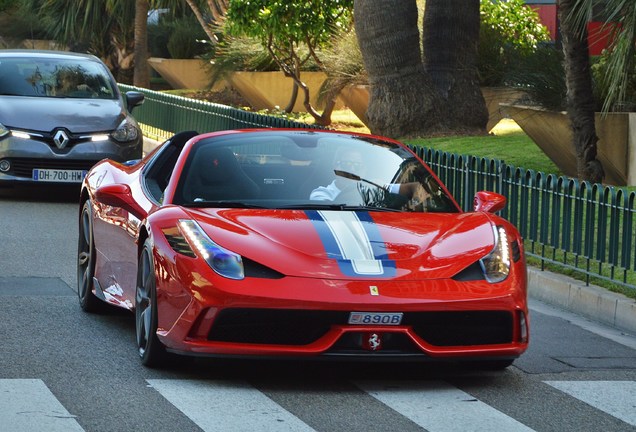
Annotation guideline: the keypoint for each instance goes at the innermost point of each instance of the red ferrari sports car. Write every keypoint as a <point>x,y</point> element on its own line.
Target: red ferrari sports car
<point>291,242</point>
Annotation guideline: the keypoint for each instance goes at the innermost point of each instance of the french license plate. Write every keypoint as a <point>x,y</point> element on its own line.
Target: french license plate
<point>375,318</point>
<point>58,176</point>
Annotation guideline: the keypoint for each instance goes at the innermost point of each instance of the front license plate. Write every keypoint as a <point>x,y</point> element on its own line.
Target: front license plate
<point>58,176</point>
<point>375,318</point>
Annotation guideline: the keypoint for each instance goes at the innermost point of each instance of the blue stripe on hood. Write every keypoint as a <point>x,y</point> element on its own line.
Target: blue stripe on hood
<point>354,241</point>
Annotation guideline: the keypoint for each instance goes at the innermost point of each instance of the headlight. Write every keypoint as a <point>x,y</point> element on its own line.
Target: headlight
<point>224,262</point>
<point>3,131</point>
<point>126,131</point>
<point>496,265</point>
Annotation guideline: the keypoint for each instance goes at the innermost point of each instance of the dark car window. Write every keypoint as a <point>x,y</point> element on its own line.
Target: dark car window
<point>60,78</point>
<point>308,170</point>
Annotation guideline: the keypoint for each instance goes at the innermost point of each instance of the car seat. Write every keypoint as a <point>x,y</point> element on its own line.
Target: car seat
<point>215,175</point>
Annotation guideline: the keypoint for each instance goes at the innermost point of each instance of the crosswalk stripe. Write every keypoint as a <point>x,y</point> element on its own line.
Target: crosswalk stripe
<point>29,406</point>
<point>228,406</point>
<point>617,398</point>
<point>439,407</point>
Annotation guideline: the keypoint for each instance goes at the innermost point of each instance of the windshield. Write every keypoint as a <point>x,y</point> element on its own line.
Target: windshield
<point>289,169</point>
<point>59,78</point>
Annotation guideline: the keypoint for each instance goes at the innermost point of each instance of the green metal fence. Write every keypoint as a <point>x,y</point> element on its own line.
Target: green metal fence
<point>587,228</point>
<point>163,113</point>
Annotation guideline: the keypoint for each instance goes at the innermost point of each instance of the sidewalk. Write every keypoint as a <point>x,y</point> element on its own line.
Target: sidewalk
<point>595,303</point>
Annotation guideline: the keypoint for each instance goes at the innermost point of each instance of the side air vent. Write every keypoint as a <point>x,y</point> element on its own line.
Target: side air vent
<point>179,244</point>
<point>256,270</point>
<point>516,251</point>
<point>471,273</point>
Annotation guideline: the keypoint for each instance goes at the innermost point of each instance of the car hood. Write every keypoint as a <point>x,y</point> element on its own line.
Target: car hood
<point>341,244</point>
<point>46,114</point>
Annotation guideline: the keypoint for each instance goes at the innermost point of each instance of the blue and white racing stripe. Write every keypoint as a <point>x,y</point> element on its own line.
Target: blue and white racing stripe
<point>353,239</point>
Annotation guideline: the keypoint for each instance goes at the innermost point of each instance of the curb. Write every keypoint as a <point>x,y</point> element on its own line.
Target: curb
<point>590,301</point>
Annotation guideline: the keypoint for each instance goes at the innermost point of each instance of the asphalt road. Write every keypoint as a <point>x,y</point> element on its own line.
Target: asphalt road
<point>64,370</point>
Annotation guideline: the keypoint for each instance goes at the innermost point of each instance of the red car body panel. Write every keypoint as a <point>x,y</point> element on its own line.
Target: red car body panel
<point>424,252</point>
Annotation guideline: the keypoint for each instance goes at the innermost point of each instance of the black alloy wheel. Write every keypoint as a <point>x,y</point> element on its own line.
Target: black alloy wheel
<point>86,262</point>
<point>151,351</point>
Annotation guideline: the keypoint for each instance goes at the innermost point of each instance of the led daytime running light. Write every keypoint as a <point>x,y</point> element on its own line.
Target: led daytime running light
<point>222,261</point>
<point>496,265</point>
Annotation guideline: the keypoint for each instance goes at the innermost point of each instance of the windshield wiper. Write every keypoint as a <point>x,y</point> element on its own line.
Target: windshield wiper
<point>369,208</point>
<point>340,207</point>
<point>312,206</point>
<point>221,203</point>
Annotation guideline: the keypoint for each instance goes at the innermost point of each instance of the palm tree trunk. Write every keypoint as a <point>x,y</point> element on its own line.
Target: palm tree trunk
<point>450,38</point>
<point>141,76</point>
<point>580,98</point>
<point>402,97</point>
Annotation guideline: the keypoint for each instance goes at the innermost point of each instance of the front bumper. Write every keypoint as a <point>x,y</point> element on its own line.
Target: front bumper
<point>24,155</point>
<point>442,319</point>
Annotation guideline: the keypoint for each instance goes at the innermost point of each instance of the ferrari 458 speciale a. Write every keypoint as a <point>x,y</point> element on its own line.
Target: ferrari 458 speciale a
<point>300,243</point>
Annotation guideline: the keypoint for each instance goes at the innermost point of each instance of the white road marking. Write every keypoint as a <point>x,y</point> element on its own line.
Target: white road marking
<point>27,405</point>
<point>439,407</point>
<point>228,406</point>
<point>617,398</point>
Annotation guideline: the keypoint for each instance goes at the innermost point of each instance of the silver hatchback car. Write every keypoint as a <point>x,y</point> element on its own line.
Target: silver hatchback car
<point>60,113</point>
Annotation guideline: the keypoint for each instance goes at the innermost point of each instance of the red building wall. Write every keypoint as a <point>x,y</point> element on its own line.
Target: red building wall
<point>599,35</point>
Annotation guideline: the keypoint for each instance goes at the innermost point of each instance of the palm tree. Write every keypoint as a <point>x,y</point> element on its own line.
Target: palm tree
<point>415,94</point>
<point>141,76</point>
<point>580,97</point>
<point>620,16</point>
<point>450,42</point>
<point>402,96</point>
<point>102,27</point>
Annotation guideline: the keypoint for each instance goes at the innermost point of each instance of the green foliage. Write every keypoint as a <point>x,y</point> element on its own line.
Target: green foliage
<point>6,5</point>
<point>509,31</point>
<point>158,37</point>
<point>184,40</point>
<point>287,22</point>
<point>21,20</point>
<point>104,26</point>
<point>604,77</point>
<point>542,77</point>
<point>343,64</point>
<point>241,53</point>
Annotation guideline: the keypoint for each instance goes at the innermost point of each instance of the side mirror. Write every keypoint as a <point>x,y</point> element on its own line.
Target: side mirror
<point>133,99</point>
<point>119,195</point>
<point>490,202</point>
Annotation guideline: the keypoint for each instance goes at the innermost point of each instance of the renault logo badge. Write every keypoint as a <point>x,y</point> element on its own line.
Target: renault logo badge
<point>60,139</point>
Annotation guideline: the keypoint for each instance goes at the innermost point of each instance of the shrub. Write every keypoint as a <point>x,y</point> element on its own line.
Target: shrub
<point>185,40</point>
<point>509,31</point>
<point>601,75</point>
<point>541,76</point>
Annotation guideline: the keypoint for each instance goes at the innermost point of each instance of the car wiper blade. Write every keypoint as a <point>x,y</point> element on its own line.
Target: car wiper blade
<point>341,207</point>
<point>221,203</point>
<point>370,208</point>
<point>312,206</point>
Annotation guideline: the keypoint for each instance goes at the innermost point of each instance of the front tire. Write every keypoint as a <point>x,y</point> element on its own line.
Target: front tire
<point>151,351</point>
<point>86,262</point>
